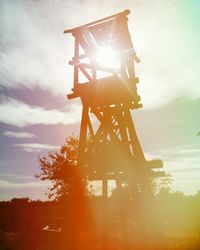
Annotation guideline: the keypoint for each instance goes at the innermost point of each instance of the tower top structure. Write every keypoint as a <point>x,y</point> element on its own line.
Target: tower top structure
<point>103,63</point>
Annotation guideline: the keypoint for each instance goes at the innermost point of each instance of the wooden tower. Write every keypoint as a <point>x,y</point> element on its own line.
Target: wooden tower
<point>109,146</point>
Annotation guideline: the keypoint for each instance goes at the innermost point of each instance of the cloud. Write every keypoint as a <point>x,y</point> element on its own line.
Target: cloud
<point>35,147</point>
<point>19,135</point>
<point>34,51</point>
<point>31,184</point>
<point>182,162</point>
<point>16,176</point>
<point>19,114</point>
<point>188,149</point>
<point>190,186</point>
<point>33,189</point>
<point>180,157</point>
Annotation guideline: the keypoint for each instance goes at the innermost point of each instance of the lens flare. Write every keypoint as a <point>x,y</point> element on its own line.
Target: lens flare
<point>106,56</point>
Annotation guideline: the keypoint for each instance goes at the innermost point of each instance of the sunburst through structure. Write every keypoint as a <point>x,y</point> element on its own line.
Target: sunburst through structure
<point>104,56</point>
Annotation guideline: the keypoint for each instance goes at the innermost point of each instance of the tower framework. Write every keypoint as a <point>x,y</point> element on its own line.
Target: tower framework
<point>109,148</point>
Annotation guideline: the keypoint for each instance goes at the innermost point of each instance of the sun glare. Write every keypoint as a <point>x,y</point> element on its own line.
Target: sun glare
<point>106,56</point>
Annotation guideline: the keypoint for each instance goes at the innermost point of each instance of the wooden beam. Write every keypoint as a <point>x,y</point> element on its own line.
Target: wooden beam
<point>76,53</point>
<point>83,134</point>
<point>125,12</point>
<point>137,149</point>
<point>86,74</point>
<point>155,163</point>
<point>158,174</point>
<point>96,67</point>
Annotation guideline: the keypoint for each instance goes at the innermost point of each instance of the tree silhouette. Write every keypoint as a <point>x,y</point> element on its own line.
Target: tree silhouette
<point>61,169</point>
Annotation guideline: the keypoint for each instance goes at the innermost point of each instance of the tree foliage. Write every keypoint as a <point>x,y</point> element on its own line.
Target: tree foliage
<point>61,169</point>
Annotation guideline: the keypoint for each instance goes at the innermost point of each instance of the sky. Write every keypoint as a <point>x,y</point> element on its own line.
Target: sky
<point>35,115</point>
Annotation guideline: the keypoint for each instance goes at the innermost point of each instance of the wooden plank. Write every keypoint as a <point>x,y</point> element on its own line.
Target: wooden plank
<point>158,174</point>
<point>76,53</point>
<point>155,163</point>
<point>96,67</point>
<point>83,134</point>
<point>86,74</point>
<point>125,12</point>
<point>137,149</point>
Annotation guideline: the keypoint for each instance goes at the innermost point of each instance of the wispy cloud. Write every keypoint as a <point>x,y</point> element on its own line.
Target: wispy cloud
<point>33,33</point>
<point>16,176</point>
<point>35,147</point>
<point>32,189</point>
<point>185,148</point>
<point>188,151</point>
<point>31,184</point>
<point>19,114</point>
<point>183,163</point>
<point>19,135</point>
<point>179,158</point>
<point>30,37</point>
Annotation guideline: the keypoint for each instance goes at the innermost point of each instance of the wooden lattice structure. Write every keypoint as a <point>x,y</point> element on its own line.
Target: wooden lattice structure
<point>109,146</point>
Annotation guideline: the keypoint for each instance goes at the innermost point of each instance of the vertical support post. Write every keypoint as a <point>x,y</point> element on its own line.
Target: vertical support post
<point>105,189</point>
<point>83,134</point>
<point>94,73</point>
<point>76,54</point>
<point>123,215</point>
<point>105,213</point>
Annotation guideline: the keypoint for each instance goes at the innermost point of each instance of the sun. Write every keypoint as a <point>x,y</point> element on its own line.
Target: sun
<point>106,56</point>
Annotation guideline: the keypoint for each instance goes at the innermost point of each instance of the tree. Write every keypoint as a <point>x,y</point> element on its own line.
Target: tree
<point>69,183</point>
<point>61,169</point>
<point>162,183</point>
